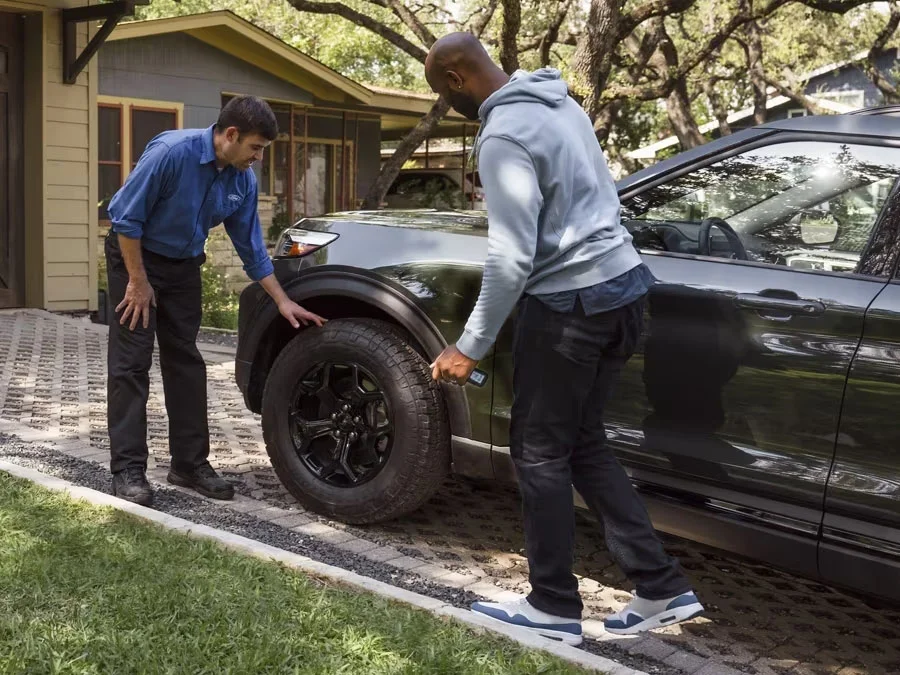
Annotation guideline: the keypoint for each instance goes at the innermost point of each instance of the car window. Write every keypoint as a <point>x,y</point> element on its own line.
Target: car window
<point>406,185</point>
<point>808,205</point>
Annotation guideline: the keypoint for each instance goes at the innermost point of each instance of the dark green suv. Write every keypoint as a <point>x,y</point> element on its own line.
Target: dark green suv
<point>757,415</point>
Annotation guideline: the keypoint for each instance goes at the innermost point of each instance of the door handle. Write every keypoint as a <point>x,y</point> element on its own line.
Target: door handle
<point>784,306</point>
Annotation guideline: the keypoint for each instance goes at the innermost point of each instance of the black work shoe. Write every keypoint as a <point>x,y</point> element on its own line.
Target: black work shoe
<point>131,484</point>
<point>204,480</point>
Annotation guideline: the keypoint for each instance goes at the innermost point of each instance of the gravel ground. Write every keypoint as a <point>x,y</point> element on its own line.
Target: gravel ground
<point>173,502</point>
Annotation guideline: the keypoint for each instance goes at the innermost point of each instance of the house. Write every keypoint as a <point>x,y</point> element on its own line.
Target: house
<point>178,72</point>
<point>837,88</point>
<point>49,125</point>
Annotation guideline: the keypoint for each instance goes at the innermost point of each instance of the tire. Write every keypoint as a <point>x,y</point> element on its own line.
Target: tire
<point>418,451</point>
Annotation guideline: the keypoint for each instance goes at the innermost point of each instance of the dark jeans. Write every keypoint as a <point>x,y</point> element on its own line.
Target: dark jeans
<point>565,367</point>
<point>175,322</point>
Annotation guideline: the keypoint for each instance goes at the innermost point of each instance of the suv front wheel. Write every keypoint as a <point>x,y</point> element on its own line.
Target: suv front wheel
<point>354,425</point>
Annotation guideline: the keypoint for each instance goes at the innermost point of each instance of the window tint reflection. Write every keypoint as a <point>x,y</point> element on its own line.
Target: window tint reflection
<point>808,205</point>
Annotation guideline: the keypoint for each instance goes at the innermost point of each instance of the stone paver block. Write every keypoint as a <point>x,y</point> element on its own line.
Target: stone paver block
<point>406,563</point>
<point>292,520</point>
<point>687,662</point>
<point>271,513</point>
<point>433,572</point>
<point>336,537</point>
<point>314,529</point>
<point>246,505</point>
<point>358,546</point>
<point>652,647</point>
<point>766,666</point>
<point>456,580</point>
<point>382,554</point>
<point>713,668</point>
<point>484,589</point>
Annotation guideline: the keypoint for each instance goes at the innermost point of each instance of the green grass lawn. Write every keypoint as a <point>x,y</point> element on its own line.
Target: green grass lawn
<point>92,590</point>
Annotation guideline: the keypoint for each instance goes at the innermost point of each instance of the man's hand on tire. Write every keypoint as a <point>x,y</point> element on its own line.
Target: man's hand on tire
<point>296,315</point>
<point>139,296</point>
<point>452,366</point>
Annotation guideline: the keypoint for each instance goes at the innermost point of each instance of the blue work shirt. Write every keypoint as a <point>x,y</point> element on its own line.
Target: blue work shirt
<point>176,195</point>
<point>605,296</point>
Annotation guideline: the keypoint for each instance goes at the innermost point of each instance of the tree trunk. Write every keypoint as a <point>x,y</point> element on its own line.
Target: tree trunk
<point>509,34</point>
<point>717,107</point>
<point>757,72</point>
<point>678,103</point>
<point>404,151</point>
<point>870,66</point>
<point>593,56</point>
<point>678,110</point>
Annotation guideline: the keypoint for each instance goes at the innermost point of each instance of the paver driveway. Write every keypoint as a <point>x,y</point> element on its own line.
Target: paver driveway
<point>52,388</point>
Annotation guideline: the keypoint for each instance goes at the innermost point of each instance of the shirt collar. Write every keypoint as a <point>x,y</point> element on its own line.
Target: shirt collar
<point>209,150</point>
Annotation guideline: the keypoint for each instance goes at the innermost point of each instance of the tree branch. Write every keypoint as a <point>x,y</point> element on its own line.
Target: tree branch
<point>509,32</point>
<point>834,6</point>
<point>479,25</point>
<point>407,147</point>
<point>551,37</point>
<point>663,87</point>
<point>360,19</point>
<point>412,22</point>
<point>653,9</point>
<point>796,96</point>
<point>890,91</point>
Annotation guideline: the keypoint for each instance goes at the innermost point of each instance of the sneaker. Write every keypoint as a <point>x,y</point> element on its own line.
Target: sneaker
<point>204,480</point>
<point>522,613</point>
<point>641,614</point>
<point>131,485</point>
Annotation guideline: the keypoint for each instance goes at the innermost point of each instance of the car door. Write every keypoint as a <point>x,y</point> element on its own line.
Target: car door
<point>861,529</point>
<point>735,395</point>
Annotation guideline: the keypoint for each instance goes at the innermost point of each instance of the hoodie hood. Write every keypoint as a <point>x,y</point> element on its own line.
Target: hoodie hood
<point>542,86</point>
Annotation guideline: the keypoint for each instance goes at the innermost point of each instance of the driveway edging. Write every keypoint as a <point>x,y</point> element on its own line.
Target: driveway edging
<point>314,568</point>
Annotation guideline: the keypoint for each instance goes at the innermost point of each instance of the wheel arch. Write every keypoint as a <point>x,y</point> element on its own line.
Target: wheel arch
<point>335,293</point>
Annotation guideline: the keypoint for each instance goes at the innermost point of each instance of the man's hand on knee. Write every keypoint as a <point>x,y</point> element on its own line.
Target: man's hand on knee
<point>139,295</point>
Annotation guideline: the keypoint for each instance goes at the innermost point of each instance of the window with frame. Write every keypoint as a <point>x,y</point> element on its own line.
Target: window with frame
<point>125,129</point>
<point>809,205</point>
<point>111,171</point>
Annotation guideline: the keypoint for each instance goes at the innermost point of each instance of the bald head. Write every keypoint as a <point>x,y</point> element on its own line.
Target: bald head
<point>459,69</point>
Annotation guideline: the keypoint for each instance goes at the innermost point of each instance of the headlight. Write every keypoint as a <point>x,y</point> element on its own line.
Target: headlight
<point>296,243</point>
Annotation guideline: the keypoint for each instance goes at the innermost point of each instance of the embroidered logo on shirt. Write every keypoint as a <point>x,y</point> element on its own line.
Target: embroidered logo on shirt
<point>234,198</point>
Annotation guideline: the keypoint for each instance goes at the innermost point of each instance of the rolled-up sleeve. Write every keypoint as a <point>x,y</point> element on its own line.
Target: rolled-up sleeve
<point>133,204</point>
<point>245,231</point>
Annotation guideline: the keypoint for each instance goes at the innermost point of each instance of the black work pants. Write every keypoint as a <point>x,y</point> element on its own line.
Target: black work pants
<point>565,365</point>
<point>175,322</point>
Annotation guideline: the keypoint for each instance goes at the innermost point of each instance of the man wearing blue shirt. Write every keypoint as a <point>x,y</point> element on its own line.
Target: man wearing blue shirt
<point>185,183</point>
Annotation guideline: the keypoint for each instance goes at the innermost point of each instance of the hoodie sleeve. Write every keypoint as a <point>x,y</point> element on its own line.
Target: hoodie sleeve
<point>514,203</point>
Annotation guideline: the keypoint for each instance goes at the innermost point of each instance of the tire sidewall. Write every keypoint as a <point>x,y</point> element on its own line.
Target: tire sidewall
<point>341,342</point>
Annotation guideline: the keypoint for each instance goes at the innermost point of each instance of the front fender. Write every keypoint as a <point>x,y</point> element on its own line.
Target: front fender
<point>259,321</point>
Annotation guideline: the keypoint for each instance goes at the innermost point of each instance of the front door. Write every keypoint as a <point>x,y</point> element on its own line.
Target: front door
<point>767,267</point>
<point>12,252</point>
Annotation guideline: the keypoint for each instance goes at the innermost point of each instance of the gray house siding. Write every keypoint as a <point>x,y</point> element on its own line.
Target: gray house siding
<point>178,67</point>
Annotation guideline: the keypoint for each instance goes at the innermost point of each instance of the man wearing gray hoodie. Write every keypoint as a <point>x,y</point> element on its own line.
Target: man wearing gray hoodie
<point>559,255</point>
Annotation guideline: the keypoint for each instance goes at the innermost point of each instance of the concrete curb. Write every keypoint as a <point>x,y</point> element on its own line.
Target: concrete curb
<point>315,568</point>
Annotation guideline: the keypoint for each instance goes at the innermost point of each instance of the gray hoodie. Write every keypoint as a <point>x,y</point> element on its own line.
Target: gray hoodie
<point>553,210</point>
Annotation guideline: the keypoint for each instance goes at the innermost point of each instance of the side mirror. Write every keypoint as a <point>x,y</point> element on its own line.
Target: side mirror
<point>818,227</point>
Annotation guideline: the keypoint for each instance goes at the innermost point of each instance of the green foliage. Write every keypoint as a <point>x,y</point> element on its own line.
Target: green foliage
<point>795,40</point>
<point>102,282</point>
<point>279,224</point>
<point>220,306</point>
